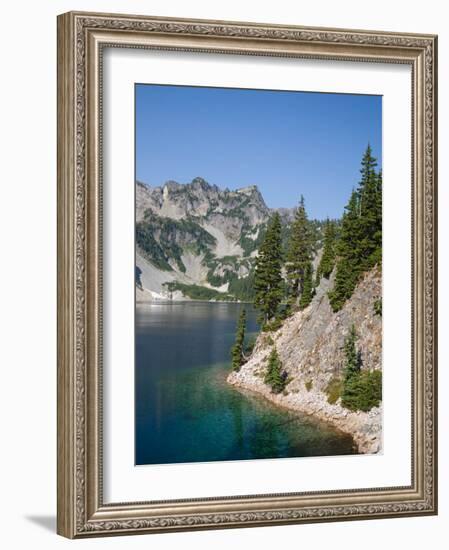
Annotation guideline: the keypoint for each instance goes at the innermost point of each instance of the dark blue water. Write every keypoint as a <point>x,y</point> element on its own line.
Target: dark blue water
<point>185,410</point>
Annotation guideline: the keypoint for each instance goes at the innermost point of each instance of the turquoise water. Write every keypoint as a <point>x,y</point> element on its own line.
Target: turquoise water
<point>185,410</point>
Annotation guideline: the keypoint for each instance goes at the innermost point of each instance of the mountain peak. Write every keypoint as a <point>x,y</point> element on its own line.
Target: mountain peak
<point>200,181</point>
<point>203,200</point>
<point>248,190</point>
<point>252,191</point>
<point>201,184</point>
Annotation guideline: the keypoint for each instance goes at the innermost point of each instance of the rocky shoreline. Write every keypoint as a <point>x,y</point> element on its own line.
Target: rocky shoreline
<point>364,427</point>
<point>310,345</point>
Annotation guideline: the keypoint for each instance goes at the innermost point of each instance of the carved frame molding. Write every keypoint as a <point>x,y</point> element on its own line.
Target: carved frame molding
<point>81,39</point>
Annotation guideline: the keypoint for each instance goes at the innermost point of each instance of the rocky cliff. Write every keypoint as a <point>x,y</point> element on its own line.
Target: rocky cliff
<point>310,346</point>
<point>197,234</point>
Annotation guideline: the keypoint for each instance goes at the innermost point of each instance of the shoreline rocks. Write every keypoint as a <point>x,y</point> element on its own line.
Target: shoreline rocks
<point>364,427</point>
<point>310,345</point>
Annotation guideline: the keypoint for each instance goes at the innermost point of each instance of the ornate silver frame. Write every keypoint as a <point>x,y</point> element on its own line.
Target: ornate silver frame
<point>81,38</point>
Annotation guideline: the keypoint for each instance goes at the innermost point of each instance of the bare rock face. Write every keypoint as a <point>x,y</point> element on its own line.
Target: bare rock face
<point>310,346</point>
<point>200,199</point>
<point>218,226</point>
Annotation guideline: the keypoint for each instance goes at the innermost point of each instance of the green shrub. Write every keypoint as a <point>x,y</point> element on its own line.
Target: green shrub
<point>268,340</point>
<point>334,390</point>
<point>363,391</point>
<point>308,385</point>
<point>378,307</point>
<point>272,326</point>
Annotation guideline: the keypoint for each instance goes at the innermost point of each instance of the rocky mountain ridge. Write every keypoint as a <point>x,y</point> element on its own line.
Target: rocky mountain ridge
<point>197,234</point>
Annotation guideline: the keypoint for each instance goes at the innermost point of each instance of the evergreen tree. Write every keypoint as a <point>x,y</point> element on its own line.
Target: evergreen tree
<point>348,265</point>
<point>268,275</point>
<point>360,245</point>
<point>274,376</point>
<point>237,348</point>
<point>376,255</point>
<point>351,371</point>
<point>362,389</point>
<point>299,252</point>
<point>327,261</point>
<point>353,365</point>
<point>308,289</point>
<point>370,192</point>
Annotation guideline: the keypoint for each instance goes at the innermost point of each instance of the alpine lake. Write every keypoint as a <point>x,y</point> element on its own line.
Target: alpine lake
<point>185,411</point>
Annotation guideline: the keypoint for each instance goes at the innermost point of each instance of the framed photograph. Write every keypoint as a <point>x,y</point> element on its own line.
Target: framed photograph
<point>246,274</point>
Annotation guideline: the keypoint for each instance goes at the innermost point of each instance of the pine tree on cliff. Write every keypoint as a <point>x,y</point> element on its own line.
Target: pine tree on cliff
<point>352,365</point>
<point>348,265</point>
<point>299,251</point>
<point>351,372</point>
<point>237,348</point>
<point>308,289</point>
<point>370,192</point>
<point>362,389</point>
<point>274,376</point>
<point>327,261</point>
<point>268,276</point>
<point>360,245</point>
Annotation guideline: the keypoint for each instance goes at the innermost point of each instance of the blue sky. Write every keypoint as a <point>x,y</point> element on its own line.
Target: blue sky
<point>286,143</point>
